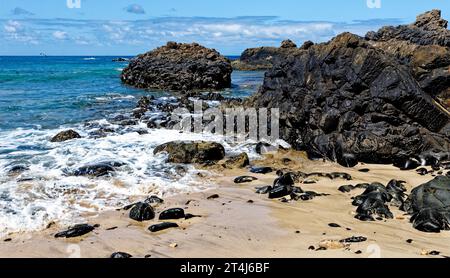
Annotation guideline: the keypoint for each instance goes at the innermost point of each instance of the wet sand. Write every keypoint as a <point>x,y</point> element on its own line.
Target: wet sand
<point>231,226</point>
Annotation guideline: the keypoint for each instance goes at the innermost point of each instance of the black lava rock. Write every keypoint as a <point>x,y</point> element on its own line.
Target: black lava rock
<point>174,213</point>
<point>76,231</point>
<point>162,226</point>
<point>142,212</point>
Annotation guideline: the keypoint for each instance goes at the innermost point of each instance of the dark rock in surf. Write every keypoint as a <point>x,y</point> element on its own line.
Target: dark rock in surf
<point>142,212</point>
<point>174,213</point>
<point>162,226</point>
<point>65,136</point>
<point>17,170</point>
<point>76,231</point>
<point>96,170</point>
<point>179,67</point>
<point>187,152</point>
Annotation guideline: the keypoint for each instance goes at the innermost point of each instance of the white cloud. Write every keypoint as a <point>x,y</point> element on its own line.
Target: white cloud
<point>12,26</point>
<point>228,35</point>
<point>60,35</point>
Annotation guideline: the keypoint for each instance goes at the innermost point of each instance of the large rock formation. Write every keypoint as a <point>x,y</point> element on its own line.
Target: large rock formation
<point>263,58</point>
<point>177,67</point>
<point>425,47</point>
<point>349,101</point>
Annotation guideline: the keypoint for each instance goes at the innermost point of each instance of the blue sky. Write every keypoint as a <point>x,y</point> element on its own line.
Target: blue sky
<point>129,27</point>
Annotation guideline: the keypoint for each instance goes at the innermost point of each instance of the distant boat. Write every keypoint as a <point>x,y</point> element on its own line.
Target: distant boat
<point>89,59</point>
<point>43,54</point>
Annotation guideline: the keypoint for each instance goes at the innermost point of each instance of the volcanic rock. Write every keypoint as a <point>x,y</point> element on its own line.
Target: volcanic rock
<point>263,58</point>
<point>65,136</point>
<point>347,99</point>
<point>179,67</point>
<point>187,152</point>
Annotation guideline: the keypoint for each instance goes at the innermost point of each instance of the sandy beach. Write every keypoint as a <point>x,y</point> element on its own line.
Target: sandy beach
<point>242,224</point>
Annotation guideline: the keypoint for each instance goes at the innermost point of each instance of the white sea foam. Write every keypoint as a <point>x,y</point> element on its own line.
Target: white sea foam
<point>46,193</point>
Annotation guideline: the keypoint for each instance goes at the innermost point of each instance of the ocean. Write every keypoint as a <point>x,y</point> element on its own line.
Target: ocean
<point>40,96</point>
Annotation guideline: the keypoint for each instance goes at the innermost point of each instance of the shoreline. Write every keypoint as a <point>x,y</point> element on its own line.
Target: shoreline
<point>231,226</point>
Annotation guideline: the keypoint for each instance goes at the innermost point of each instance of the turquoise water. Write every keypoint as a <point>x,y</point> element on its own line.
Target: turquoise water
<point>41,96</point>
<point>46,92</point>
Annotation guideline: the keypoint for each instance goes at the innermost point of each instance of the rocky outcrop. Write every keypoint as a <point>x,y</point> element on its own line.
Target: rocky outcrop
<point>263,58</point>
<point>179,67</point>
<point>187,152</point>
<point>349,101</point>
<point>65,136</point>
<point>425,47</point>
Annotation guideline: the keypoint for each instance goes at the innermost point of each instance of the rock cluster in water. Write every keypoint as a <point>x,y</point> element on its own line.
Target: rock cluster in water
<point>179,67</point>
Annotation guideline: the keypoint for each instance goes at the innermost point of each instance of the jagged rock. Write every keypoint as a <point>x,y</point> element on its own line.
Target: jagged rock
<point>288,44</point>
<point>425,47</point>
<point>97,170</point>
<point>429,205</point>
<point>238,161</point>
<point>187,152</point>
<point>65,136</point>
<point>263,58</point>
<point>347,98</point>
<point>179,67</point>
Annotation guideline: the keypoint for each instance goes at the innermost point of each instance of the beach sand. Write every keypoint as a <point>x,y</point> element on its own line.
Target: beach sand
<point>231,226</point>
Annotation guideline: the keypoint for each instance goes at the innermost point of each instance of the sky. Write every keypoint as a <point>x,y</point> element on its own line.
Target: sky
<point>130,27</point>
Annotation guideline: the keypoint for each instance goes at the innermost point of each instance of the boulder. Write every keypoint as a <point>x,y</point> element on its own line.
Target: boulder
<point>142,212</point>
<point>348,101</point>
<point>429,205</point>
<point>65,136</point>
<point>179,67</point>
<point>186,152</point>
